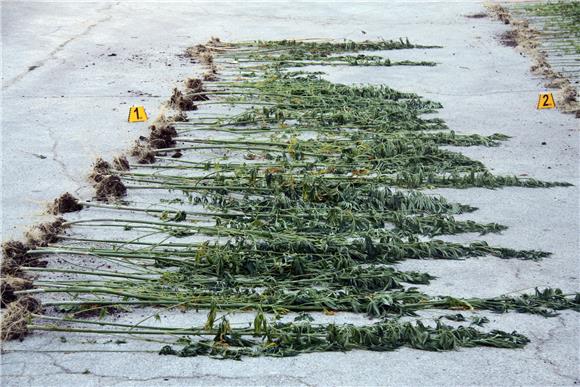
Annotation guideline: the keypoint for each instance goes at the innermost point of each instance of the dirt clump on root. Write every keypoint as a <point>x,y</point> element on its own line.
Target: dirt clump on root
<point>161,136</point>
<point>195,51</point>
<point>65,203</point>
<point>10,284</point>
<point>213,44</point>
<point>542,67</point>
<point>204,55</point>
<point>14,250</point>
<point>101,168</point>
<point>557,83</point>
<point>210,76</point>
<point>13,267</point>
<point>501,13</point>
<point>120,163</point>
<point>211,73</point>
<point>214,41</point>
<point>44,233</point>
<point>15,255</point>
<point>194,84</point>
<point>179,117</point>
<point>567,99</point>
<point>110,188</point>
<point>9,267</point>
<point>15,318</point>
<point>143,153</point>
<point>195,89</point>
<point>179,101</point>
<point>206,58</point>
<point>163,120</point>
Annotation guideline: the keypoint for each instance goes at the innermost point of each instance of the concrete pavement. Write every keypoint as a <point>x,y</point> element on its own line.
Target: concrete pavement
<point>66,98</point>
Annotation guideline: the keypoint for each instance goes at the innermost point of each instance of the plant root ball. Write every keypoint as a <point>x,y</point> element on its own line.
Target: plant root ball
<point>15,255</point>
<point>10,284</point>
<point>567,101</point>
<point>214,41</point>
<point>9,267</point>
<point>162,136</point>
<point>501,13</point>
<point>195,51</point>
<point>44,233</point>
<point>144,154</point>
<point>178,101</point>
<point>101,168</point>
<point>110,188</point>
<point>210,76</point>
<point>16,317</point>
<point>194,84</point>
<point>65,203</point>
<point>568,94</point>
<point>206,58</point>
<point>14,250</point>
<point>195,89</point>
<point>179,117</point>
<point>161,119</point>
<point>120,163</point>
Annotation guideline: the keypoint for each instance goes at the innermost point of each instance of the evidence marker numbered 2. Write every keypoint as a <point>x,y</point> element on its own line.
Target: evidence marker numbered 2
<point>546,101</point>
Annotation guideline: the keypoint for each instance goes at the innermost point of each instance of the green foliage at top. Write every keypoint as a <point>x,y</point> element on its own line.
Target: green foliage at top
<point>333,47</point>
<point>307,197</point>
<point>291,339</point>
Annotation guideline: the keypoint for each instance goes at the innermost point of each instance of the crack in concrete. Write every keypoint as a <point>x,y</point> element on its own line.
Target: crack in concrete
<point>225,378</point>
<point>55,30</point>
<point>62,164</point>
<point>121,378</point>
<point>538,349</point>
<point>60,47</point>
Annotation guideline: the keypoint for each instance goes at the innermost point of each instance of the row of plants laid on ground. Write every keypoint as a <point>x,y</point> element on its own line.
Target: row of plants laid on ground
<point>276,191</point>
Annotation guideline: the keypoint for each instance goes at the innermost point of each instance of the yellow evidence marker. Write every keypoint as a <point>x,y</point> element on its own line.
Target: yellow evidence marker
<point>546,101</point>
<point>137,114</point>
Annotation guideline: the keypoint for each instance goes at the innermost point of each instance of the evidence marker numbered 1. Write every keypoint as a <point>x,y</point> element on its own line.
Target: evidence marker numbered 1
<point>546,101</point>
<point>137,114</point>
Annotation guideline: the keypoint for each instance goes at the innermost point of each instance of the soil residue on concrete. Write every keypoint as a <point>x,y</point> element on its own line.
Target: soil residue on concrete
<point>479,15</point>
